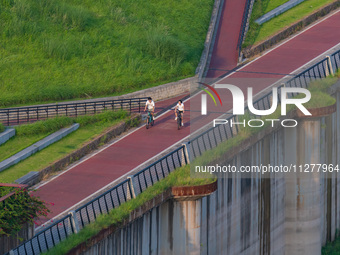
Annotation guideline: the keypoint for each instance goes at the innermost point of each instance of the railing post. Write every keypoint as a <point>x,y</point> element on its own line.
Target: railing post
<point>74,221</point>
<point>279,91</point>
<point>329,64</point>
<point>131,186</point>
<point>186,152</point>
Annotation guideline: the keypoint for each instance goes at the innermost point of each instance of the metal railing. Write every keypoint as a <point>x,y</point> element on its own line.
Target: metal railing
<point>210,138</point>
<point>113,198</point>
<point>245,22</point>
<point>104,203</point>
<point>131,187</point>
<point>48,238</point>
<point>320,70</point>
<point>158,170</point>
<point>18,115</point>
<point>335,60</point>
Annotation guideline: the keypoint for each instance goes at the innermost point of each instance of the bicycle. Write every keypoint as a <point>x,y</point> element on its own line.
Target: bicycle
<point>179,120</point>
<point>149,120</point>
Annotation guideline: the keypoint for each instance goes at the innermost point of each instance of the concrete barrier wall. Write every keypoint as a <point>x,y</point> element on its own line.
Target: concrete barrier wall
<point>38,146</point>
<point>163,91</point>
<point>277,11</point>
<point>6,135</point>
<point>284,214</point>
<point>10,242</point>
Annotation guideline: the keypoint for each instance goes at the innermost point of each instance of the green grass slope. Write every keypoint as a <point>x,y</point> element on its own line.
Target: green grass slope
<point>56,49</point>
<point>258,33</point>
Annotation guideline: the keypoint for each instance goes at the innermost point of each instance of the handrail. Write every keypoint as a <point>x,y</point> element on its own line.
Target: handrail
<point>25,114</point>
<point>245,20</point>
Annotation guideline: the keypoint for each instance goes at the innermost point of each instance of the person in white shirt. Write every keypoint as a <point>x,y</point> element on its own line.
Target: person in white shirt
<point>180,108</point>
<point>150,105</point>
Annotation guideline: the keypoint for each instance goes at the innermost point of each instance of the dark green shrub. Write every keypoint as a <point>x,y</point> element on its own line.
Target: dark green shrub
<point>19,208</point>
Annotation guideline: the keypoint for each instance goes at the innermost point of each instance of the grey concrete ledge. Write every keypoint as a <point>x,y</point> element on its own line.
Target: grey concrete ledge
<point>6,135</point>
<point>38,146</point>
<point>277,11</point>
<point>27,178</point>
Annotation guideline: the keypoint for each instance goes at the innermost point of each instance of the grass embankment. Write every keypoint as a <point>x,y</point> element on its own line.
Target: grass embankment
<point>319,98</point>
<point>2,128</point>
<point>257,33</point>
<point>57,50</point>
<point>90,127</point>
<point>180,177</point>
<point>29,134</point>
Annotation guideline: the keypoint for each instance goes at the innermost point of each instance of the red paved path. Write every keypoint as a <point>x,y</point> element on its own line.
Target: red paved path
<point>225,53</point>
<point>123,156</point>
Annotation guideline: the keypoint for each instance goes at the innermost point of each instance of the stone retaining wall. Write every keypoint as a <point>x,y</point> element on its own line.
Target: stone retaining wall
<point>10,242</point>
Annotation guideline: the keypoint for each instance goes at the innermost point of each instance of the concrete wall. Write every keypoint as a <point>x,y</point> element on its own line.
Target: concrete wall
<point>277,11</point>
<point>38,146</point>
<point>8,243</point>
<point>201,69</point>
<point>6,135</point>
<point>163,91</point>
<point>293,213</point>
<point>236,219</point>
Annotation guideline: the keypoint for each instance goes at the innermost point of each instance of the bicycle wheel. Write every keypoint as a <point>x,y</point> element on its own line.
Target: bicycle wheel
<point>179,121</point>
<point>147,123</point>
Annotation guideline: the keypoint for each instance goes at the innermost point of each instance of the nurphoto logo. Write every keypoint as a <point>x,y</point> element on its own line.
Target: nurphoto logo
<point>238,104</point>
